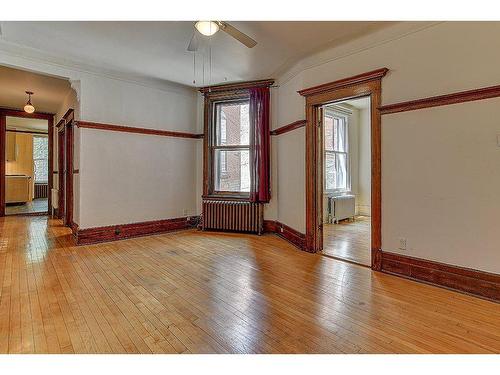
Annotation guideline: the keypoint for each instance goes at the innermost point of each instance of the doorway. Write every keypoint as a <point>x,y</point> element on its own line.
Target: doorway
<point>347,180</point>
<point>363,85</point>
<point>26,172</point>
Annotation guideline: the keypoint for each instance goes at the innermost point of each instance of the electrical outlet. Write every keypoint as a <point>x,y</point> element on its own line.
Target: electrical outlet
<point>402,244</point>
<point>281,229</point>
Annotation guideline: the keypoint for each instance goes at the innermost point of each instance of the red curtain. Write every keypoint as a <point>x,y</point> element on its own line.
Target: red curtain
<point>260,190</point>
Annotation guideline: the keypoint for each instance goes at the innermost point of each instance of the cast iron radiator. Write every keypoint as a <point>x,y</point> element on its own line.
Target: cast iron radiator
<point>234,216</point>
<point>41,190</point>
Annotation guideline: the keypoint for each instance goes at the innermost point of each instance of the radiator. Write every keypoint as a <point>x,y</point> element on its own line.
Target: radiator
<point>341,207</point>
<point>41,190</point>
<point>233,216</point>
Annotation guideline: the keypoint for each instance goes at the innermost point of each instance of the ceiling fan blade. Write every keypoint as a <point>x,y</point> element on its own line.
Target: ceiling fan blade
<point>237,34</point>
<point>193,43</point>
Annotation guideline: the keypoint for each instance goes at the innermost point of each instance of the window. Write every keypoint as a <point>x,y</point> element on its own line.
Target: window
<point>337,173</point>
<point>231,147</point>
<point>40,158</point>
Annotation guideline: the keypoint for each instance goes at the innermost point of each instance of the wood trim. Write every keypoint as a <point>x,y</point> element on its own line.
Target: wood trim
<point>436,101</point>
<point>136,130</point>
<point>236,86</point>
<point>26,131</point>
<point>69,160</point>
<point>61,176</point>
<point>2,162</point>
<point>289,127</point>
<point>20,113</point>
<point>366,84</point>
<point>345,82</point>
<point>478,283</point>
<point>209,136</point>
<point>291,235</point>
<point>122,231</point>
<point>60,123</point>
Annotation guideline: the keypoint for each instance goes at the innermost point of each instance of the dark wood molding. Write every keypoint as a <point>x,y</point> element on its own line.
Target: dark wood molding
<point>27,132</point>
<point>436,101</point>
<point>14,112</point>
<point>479,283</point>
<point>74,228</point>
<point>289,127</point>
<point>122,231</point>
<point>289,234</point>
<point>2,162</point>
<point>362,85</point>
<point>136,130</point>
<point>236,86</point>
<point>11,112</point>
<point>345,82</point>
<point>60,123</point>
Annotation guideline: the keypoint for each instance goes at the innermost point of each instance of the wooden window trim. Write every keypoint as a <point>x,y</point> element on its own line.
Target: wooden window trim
<point>211,99</point>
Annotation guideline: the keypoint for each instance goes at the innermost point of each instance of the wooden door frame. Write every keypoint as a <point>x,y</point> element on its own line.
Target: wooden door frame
<point>61,169</point>
<point>65,157</point>
<point>4,112</point>
<point>366,84</point>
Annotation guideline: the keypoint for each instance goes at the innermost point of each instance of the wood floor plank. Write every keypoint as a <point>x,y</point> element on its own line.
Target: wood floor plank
<point>200,292</point>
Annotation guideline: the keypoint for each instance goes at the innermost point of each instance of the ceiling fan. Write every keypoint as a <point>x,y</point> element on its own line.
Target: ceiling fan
<point>209,28</point>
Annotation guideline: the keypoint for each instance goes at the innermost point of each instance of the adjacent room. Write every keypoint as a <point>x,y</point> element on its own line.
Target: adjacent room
<point>347,180</point>
<point>27,167</point>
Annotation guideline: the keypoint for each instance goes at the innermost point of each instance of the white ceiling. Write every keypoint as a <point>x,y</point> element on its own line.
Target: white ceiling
<point>21,123</point>
<point>49,92</point>
<point>158,49</point>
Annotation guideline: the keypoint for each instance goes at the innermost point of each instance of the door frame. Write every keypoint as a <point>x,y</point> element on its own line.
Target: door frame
<point>4,112</point>
<point>366,84</point>
<point>65,157</point>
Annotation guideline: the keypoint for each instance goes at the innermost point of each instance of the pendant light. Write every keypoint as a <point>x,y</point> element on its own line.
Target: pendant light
<point>28,108</point>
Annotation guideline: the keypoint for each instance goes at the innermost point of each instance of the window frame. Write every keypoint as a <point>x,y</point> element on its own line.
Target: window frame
<point>329,112</point>
<point>211,101</point>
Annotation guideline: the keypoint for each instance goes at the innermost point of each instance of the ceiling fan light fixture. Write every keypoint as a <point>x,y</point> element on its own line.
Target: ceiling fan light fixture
<point>29,108</point>
<point>207,28</point>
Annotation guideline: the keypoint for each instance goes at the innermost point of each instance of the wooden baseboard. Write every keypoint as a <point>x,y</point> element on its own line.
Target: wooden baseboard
<point>478,283</point>
<point>118,232</point>
<point>291,235</point>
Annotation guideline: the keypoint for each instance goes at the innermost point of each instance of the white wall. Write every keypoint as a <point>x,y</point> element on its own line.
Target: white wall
<point>440,167</point>
<point>127,178</point>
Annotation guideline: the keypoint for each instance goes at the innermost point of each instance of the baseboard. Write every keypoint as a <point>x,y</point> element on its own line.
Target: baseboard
<point>291,235</point>
<point>478,283</point>
<point>122,231</point>
<point>74,228</point>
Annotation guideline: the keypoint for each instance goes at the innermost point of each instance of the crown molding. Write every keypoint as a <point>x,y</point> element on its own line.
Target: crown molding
<point>72,70</point>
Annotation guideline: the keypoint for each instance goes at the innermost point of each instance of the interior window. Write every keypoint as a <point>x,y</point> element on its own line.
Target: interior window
<point>336,161</point>
<point>231,149</point>
<point>40,158</point>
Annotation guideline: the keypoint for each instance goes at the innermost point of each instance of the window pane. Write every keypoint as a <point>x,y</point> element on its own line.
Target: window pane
<point>341,170</point>
<point>339,134</point>
<point>232,124</point>
<point>330,168</point>
<point>40,155</point>
<point>232,170</point>
<point>328,133</point>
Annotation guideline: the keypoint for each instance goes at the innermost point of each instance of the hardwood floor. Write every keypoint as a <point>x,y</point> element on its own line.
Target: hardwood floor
<point>196,292</point>
<point>349,240</point>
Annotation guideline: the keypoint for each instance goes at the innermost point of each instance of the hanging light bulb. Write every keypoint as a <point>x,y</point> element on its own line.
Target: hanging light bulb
<point>28,108</point>
<point>207,28</point>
